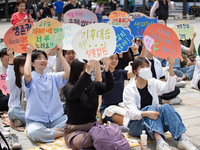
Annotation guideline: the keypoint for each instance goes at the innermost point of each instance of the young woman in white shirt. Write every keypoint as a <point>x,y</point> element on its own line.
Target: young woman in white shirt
<point>14,73</point>
<point>143,111</point>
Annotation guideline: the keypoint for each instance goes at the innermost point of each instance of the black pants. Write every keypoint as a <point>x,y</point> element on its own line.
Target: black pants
<point>4,103</point>
<point>170,95</point>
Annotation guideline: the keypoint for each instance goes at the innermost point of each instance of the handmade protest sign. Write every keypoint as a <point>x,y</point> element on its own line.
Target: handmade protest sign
<point>162,41</point>
<point>116,14</point>
<point>46,33</point>
<point>16,37</point>
<point>104,21</point>
<point>138,25</point>
<point>81,17</point>
<point>184,30</point>
<point>70,30</point>
<point>134,15</point>
<point>3,85</point>
<point>121,21</point>
<point>94,41</point>
<point>124,39</point>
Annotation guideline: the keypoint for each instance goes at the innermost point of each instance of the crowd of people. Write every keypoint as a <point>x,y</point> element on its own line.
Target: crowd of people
<point>51,78</point>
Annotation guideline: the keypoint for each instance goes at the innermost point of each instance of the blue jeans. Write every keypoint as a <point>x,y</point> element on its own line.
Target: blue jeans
<point>99,16</point>
<point>43,132</point>
<point>168,120</point>
<point>188,71</point>
<point>102,109</point>
<point>17,113</point>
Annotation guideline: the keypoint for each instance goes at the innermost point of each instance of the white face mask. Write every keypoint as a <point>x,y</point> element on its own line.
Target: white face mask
<point>144,73</point>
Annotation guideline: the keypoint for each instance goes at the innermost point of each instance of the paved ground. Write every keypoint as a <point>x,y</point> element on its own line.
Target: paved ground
<point>189,109</point>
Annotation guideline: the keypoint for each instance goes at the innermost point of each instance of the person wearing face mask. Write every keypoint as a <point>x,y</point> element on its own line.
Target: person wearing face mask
<point>143,111</point>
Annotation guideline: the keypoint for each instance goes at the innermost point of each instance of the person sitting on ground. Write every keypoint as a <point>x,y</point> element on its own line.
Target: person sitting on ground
<point>14,73</point>
<point>3,67</point>
<point>195,83</point>
<point>158,73</point>
<point>82,101</point>
<point>186,72</point>
<point>44,112</point>
<point>143,111</point>
<point>115,96</point>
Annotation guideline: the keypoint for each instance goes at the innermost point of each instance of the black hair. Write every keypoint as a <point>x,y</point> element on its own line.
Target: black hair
<point>76,68</point>
<point>36,54</point>
<point>87,98</point>
<point>3,52</point>
<point>18,62</point>
<point>138,62</point>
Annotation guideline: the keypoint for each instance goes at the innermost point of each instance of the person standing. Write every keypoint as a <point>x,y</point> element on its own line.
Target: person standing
<point>45,9</point>
<point>147,8</point>
<point>58,6</point>
<point>99,10</point>
<point>21,16</point>
<point>161,9</point>
<point>72,5</point>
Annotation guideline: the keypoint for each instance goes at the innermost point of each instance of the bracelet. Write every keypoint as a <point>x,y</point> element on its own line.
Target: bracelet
<point>11,64</point>
<point>136,54</point>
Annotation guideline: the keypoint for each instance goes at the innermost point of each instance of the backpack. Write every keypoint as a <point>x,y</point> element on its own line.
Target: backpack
<point>108,137</point>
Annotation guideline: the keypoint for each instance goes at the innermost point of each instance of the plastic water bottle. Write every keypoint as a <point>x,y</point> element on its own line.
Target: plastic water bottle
<point>197,58</point>
<point>143,138</point>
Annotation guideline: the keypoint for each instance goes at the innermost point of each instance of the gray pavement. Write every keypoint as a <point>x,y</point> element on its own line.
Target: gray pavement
<point>189,109</point>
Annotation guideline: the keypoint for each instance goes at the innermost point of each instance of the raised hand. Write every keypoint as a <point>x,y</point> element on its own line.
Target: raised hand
<point>106,63</point>
<point>30,48</point>
<point>90,66</point>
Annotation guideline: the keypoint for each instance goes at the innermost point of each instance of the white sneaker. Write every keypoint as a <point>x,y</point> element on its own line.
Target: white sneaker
<point>186,144</point>
<point>179,79</point>
<point>15,144</point>
<point>163,146</point>
<point>175,101</point>
<point>17,123</point>
<point>181,84</point>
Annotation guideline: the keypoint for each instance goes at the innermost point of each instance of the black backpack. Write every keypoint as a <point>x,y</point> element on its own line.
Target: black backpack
<point>4,148</point>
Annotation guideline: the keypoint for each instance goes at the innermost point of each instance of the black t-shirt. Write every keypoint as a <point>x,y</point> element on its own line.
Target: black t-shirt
<point>77,112</point>
<point>70,6</point>
<point>152,68</point>
<point>46,12</point>
<point>122,63</point>
<point>146,98</point>
<point>113,5</point>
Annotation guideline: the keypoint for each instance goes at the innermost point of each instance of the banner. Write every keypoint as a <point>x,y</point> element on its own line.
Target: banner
<point>46,33</point>
<point>70,30</point>
<point>124,39</point>
<point>138,26</point>
<point>16,37</point>
<point>162,41</point>
<point>81,17</point>
<point>104,20</point>
<point>184,30</point>
<point>94,41</point>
